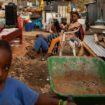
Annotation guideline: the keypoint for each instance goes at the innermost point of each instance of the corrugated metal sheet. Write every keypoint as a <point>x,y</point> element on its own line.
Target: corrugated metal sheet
<point>97,49</point>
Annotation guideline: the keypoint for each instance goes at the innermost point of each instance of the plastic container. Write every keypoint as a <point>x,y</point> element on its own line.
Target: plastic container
<point>28,27</point>
<point>62,66</point>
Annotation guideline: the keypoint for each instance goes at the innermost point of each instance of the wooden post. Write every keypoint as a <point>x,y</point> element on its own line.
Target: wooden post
<point>89,50</point>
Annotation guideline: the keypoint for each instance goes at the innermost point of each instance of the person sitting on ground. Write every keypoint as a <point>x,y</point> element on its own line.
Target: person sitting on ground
<point>42,43</point>
<point>14,92</point>
<point>74,35</point>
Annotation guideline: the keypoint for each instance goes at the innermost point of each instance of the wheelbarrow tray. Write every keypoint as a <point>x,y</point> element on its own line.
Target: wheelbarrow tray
<point>57,67</point>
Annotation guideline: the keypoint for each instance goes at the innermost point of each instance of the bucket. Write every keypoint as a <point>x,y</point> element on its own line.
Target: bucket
<point>28,27</point>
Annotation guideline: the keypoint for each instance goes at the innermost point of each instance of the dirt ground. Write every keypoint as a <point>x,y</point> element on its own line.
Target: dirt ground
<point>78,83</point>
<point>27,68</point>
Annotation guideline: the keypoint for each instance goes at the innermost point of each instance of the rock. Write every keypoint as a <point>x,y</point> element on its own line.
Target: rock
<point>47,79</point>
<point>46,88</point>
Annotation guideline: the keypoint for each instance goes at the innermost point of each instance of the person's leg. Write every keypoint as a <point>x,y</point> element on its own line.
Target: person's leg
<point>44,46</point>
<point>37,44</point>
<point>81,49</point>
<point>53,42</point>
<point>72,45</point>
<point>44,49</point>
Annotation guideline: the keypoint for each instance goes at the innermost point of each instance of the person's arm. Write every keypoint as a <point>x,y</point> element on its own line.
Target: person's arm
<point>64,27</point>
<point>45,100</point>
<point>74,26</point>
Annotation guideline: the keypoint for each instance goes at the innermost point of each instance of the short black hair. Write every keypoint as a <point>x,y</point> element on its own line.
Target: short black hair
<point>6,46</point>
<point>75,12</point>
<point>57,25</point>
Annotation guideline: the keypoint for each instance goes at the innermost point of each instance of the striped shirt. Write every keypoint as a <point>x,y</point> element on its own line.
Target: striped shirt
<point>51,37</point>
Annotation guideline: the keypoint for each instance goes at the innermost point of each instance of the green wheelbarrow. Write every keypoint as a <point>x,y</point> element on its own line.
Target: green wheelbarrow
<point>81,78</point>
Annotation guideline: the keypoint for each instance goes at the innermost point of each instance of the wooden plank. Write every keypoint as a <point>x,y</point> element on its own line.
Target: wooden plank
<point>89,50</point>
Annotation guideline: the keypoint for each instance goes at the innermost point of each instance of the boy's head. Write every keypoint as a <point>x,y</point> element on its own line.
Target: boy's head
<point>75,16</point>
<point>56,26</point>
<point>5,59</point>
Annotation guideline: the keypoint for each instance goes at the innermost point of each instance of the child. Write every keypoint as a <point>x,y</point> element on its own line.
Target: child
<point>75,25</point>
<point>44,43</point>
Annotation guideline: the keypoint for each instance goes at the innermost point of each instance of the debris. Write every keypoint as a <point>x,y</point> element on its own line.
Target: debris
<point>46,89</point>
<point>30,70</point>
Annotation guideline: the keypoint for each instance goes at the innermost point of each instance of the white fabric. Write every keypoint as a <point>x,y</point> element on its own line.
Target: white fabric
<point>7,31</point>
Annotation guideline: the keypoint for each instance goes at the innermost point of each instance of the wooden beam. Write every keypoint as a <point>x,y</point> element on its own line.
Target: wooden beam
<point>89,50</point>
